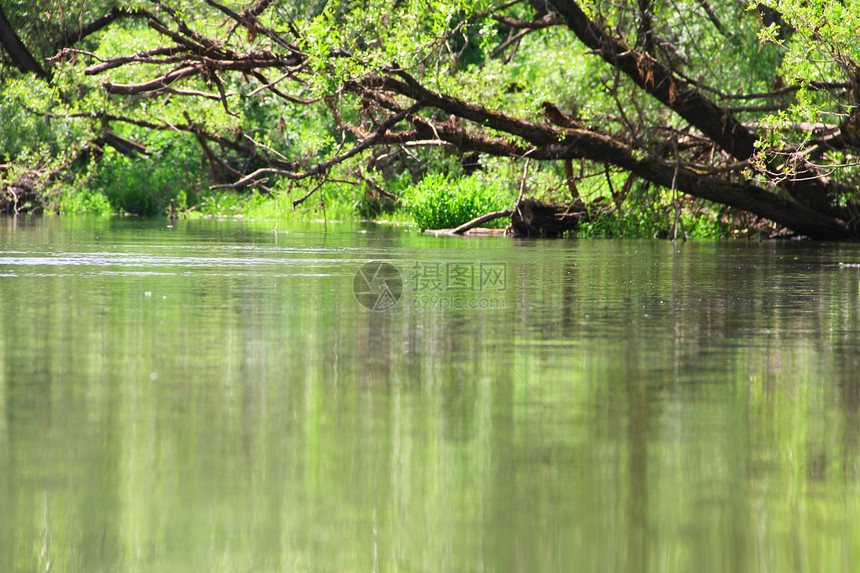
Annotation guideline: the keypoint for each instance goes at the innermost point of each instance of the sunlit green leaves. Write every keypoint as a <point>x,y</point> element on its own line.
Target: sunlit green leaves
<point>441,202</point>
<point>730,53</point>
<point>822,48</point>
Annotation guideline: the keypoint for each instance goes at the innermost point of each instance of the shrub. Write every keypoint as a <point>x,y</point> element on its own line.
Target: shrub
<point>145,185</point>
<point>80,200</point>
<point>441,202</point>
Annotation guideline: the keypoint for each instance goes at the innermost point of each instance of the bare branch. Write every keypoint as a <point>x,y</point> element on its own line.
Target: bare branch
<point>551,19</point>
<point>146,57</point>
<point>152,85</point>
<point>324,166</point>
<point>71,38</point>
<point>481,220</point>
<point>713,18</point>
<point>304,197</point>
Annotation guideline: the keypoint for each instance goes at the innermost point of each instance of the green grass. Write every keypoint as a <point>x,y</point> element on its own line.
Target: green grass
<point>332,201</point>
<point>440,202</point>
<point>80,200</point>
<point>144,187</point>
<point>656,221</point>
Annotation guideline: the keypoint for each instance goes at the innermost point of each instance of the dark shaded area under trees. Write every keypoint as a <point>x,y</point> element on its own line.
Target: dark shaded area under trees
<point>672,129</point>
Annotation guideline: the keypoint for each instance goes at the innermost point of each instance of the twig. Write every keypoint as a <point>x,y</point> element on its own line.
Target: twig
<point>507,43</point>
<point>522,186</point>
<point>301,199</point>
<point>325,165</point>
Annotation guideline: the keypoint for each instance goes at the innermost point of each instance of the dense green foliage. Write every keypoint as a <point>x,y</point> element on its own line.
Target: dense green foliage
<point>442,202</point>
<point>144,185</point>
<point>110,121</point>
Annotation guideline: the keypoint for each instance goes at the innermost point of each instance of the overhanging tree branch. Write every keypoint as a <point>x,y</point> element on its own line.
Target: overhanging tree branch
<point>558,143</point>
<point>710,156</point>
<point>324,166</point>
<point>687,101</point>
<point>660,82</point>
<point>69,39</point>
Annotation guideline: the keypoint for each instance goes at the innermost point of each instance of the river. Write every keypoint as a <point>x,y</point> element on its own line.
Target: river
<point>246,396</point>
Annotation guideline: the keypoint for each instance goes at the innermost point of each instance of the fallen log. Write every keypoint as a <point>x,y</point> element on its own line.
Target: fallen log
<point>533,218</point>
<point>474,232</point>
<point>481,220</point>
<point>530,218</point>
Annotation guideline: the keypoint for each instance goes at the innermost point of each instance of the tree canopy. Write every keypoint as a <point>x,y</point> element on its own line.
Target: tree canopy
<point>749,105</point>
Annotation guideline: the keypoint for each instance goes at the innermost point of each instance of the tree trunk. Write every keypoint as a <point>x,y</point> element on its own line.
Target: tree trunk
<point>16,49</point>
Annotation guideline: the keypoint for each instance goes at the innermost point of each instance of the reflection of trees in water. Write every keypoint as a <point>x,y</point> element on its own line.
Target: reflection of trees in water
<point>764,341</point>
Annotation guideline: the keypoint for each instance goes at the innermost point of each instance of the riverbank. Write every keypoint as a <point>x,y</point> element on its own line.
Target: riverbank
<point>435,212</point>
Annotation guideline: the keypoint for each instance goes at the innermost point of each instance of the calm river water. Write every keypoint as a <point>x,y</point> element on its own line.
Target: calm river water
<point>215,397</point>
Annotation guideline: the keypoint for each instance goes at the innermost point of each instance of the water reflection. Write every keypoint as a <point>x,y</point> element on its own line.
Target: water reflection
<point>213,398</point>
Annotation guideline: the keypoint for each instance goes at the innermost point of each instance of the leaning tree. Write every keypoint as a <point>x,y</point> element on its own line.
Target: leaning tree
<point>751,105</point>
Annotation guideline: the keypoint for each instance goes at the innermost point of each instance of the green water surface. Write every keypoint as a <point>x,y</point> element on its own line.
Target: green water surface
<point>212,397</point>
